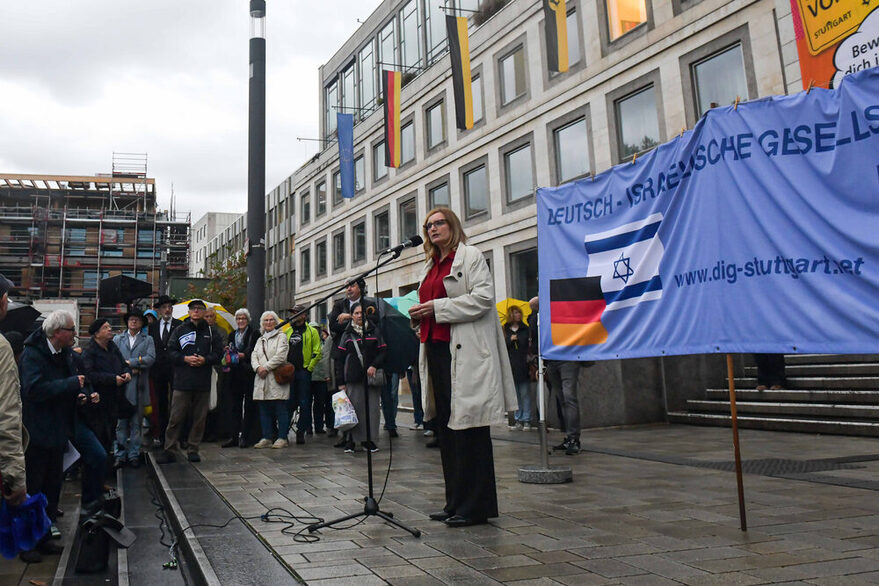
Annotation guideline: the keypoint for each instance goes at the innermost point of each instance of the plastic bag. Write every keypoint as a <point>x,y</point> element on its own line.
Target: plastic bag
<point>22,527</point>
<point>346,417</point>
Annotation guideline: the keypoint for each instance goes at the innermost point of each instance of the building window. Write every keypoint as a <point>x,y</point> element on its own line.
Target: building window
<point>512,69</point>
<point>436,125</point>
<point>387,45</point>
<point>518,173</point>
<point>571,144</point>
<point>358,238</point>
<point>367,79</point>
<point>320,191</point>
<point>81,252</point>
<point>305,265</point>
<point>322,313</point>
<point>637,122</point>
<point>382,231</point>
<point>78,235</point>
<point>410,34</point>
<point>337,188</point>
<point>348,97</point>
<point>436,30</point>
<point>408,218</point>
<point>573,38</point>
<point>332,98</point>
<point>305,209</point>
<point>379,170</point>
<point>624,15</point>
<point>438,196</point>
<point>338,250</point>
<point>407,143</point>
<point>359,173</point>
<point>475,192</point>
<point>524,274</point>
<point>320,258</point>
<point>719,79</point>
<point>476,91</point>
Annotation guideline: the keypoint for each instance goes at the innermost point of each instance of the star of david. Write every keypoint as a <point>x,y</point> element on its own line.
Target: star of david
<point>622,268</point>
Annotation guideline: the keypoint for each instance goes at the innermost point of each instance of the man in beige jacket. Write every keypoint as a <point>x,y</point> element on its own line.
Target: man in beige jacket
<point>13,436</point>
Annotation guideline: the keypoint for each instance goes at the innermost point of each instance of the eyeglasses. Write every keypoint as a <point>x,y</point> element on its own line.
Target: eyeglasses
<point>68,329</point>
<point>438,224</point>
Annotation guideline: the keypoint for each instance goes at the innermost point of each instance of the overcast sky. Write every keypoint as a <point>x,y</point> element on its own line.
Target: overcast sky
<point>80,80</point>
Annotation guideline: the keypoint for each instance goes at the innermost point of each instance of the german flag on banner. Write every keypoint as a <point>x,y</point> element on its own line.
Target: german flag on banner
<point>391,94</point>
<point>556,21</point>
<point>575,307</point>
<point>459,51</point>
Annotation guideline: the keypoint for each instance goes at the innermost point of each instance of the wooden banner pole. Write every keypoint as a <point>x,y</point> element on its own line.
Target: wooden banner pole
<point>735,434</point>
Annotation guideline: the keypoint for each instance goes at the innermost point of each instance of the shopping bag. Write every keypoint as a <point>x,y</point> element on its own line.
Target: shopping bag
<point>346,417</point>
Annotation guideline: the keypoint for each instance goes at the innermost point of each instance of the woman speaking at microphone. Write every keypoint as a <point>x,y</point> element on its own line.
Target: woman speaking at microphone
<point>468,384</point>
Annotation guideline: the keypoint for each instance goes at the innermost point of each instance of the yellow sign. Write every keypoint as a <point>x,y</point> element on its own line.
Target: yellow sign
<point>828,21</point>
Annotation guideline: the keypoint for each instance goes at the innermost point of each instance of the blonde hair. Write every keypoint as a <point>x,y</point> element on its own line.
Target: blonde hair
<point>456,231</point>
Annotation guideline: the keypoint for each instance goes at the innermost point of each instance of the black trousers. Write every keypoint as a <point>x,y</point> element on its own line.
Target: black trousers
<point>770,369</point>
<point>468,461</point>
<point>242,415</point>
<point>163,383</point>
<point>43,467</point>
<point>322,406</point>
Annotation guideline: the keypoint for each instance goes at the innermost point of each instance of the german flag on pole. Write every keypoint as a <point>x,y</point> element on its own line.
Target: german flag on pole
<point>459,51</point>
<point>556,20</point>
<point>575,307</point>
<point>391,94</point>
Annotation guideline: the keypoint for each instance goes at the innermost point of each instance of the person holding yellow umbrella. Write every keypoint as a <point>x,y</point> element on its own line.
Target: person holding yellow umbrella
<point>516,336</point>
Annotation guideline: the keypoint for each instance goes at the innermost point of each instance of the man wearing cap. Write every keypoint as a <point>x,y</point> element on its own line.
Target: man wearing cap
<point>194,349</point>
<point>13,436</point>
<point>340,317</point>
<point>139,352</point>
<point>162,373</point>
<point>303,354</point>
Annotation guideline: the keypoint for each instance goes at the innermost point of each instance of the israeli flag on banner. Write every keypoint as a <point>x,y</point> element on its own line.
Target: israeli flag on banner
<point>627,260</point>
<point>186,339</point>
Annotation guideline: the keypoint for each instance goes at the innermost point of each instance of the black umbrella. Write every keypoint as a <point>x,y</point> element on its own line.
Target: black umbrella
<point>123,289</point>
<point>399,336</point>
<point>19,318</point>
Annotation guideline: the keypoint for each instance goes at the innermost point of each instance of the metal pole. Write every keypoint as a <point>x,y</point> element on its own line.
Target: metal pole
<point>735,434</point>
<point>256,162</point>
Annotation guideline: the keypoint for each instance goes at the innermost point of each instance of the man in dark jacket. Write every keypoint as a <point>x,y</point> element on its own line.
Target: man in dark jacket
<point>194,349</point>
<point>50,386</point>
<point>162,373</point>
<point>340,317</point>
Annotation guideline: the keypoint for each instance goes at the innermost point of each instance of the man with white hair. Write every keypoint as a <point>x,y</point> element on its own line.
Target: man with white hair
<point>50,388</point>
<point>13,436</point>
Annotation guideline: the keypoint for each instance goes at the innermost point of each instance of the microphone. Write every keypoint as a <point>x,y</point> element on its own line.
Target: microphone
<point>413,241</point>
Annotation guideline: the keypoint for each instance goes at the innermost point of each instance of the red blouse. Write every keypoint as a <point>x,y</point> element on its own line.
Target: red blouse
<point>433,288</point>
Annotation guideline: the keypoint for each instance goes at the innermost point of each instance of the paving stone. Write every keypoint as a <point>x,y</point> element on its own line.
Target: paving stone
<point>609,568</point>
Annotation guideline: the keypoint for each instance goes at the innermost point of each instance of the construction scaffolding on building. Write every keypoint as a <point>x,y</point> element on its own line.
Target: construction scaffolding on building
<point>60,235</point>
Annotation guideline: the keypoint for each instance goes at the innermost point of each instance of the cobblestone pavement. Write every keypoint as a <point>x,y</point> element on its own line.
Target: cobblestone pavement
<point>648,505</point>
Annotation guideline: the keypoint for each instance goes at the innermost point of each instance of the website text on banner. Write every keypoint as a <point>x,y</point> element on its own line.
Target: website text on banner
<point>757,231</point>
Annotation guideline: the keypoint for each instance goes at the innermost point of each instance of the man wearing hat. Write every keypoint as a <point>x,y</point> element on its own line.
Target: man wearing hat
<point>162,373</point>
<point>303,354</point>
<point>13,436</point>
<point>194,349</point>
<point>139,352</point>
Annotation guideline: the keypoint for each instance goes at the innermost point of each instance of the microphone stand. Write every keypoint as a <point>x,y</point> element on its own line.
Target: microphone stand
<point>371,506</point>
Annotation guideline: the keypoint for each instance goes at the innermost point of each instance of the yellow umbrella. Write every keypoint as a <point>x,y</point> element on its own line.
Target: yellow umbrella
<point>225,320</point>
<point>503,309</point>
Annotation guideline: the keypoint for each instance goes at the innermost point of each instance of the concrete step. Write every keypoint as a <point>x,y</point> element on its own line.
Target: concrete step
<point>792,424</point>
<point>826,370</point>
<point>799,395</point>
<point>794,359</point>
<point>826,410</point>
<point>819,382</point>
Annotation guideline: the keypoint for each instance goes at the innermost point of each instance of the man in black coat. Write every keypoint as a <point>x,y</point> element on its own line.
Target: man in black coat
<point>340,317</point>
<point>162,372</point>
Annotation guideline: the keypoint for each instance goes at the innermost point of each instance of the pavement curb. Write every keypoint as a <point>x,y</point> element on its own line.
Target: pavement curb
<point>202,572</point>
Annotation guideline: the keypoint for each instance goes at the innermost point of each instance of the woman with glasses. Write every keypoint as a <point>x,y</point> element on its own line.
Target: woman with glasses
<point>269,353</point>
<point>467,384</point>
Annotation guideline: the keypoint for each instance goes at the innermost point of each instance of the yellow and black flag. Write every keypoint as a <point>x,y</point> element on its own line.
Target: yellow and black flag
<point>391,95</point>
<point>556,18</point>
<point>459,51</point>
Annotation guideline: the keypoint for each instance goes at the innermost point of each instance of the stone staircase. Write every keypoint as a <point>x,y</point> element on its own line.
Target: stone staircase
<point>825,393</point>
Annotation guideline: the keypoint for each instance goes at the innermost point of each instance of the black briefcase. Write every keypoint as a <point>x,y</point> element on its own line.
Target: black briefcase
<point>95,536</point>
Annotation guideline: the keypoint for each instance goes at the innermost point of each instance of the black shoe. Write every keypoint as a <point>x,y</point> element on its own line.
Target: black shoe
<point>393,433</point>
<point>319,431</point>
<point>350,448</point>
<point>562,446</point>
<point>441,516</point>
<point>193,457</point>
<point>434,443</point>
<point>135,463</point>
<point>573,447</point>
<point>459,521</point>
<point>230,444</point>
<point>30,557</point>
<point>166,457</point>
<point>49,548</point>
<point>332,432</point>
<point>300,438</point>
<point>243,443</point>
<point>369,446</point>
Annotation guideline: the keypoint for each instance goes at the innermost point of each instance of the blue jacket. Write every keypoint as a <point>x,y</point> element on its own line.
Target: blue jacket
<point>49,388</point>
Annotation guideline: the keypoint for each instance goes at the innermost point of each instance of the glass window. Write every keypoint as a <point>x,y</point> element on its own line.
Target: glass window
<point>524,274</point>
<point>78,235</point>
<point>72,251</point>
<point>320,258</point>
<point>337,188</point>
<point>436,30</point>
<point>322,313</point>
<point>408,218</point>
<point>367,79</point>
<point>387,46</point>
<point>348,100</point>
<point>624,15</point>
<point>573,38</point>
<point>359,173</point>
<point>436,125</point>
<point>321,201</point>
<point>467,6</point>
<point>338,250</point>
<point>305,265</point>
<point>476,91</point>
<point>571,150</point>
<point>439,196</point>
<point>475,192</point>
<point>332,97</point>
<point>637,122</point>
<point>379,170</point>
<point>358,235</point>
<point>145,254</point>
<point>512,76</point>
<point>407,143</point>
<point>410,33</point>
<point>305,213</point>
<point>382,231</point>
<point>111,253</point>
<point>517,169</point>
<point>720,79</point>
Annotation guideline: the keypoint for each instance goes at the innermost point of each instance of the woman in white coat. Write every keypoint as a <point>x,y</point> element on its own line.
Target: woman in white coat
<point>467,381</point>
<point>269,353</point>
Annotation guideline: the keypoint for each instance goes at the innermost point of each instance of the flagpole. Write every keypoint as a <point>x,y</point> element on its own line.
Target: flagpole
<point>743,521</point>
